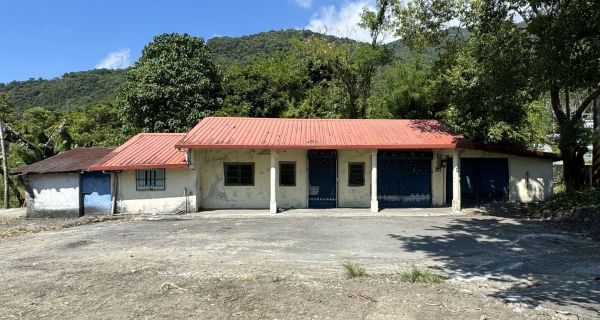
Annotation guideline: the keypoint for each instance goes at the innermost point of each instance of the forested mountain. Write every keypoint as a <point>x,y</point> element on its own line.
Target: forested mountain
<point>85,88</point>
<point>262,44</point>
<point>73,89</point>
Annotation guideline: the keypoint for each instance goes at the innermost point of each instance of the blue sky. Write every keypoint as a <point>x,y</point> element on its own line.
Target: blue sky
<point>42,38</point>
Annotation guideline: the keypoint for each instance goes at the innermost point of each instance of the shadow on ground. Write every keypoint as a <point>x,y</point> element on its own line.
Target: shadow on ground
<point>561,269</point>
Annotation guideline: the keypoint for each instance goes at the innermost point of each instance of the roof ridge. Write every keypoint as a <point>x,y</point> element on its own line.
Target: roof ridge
<point>319,119</point>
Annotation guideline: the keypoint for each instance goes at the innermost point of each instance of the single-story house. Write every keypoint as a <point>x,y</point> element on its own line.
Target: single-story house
<point>227,162</point>
<point>62,186</point>
<point>260,163</point>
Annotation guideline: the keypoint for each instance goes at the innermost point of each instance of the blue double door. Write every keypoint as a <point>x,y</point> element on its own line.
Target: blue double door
<point>483,180</point>
<point>322,178</point>
<point>404,179</point>
<point>95,193</point>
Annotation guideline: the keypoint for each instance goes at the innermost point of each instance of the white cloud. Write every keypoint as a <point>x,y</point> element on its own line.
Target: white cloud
<point>343,21</point>
<point>304,3</point>
<point>119,59</point>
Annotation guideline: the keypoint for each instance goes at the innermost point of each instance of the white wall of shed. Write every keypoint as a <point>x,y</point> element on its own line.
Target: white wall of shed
<point>180,187</point>
<point>52,195</point>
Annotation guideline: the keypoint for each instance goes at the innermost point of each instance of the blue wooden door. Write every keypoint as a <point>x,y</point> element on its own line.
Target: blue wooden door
<point>322,178</point>
<point>95,191</point>
<point>404,179</point>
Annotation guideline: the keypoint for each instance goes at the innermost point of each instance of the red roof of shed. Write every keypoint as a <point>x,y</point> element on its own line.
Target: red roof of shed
<point>74,160</point>
<point>250,133</point>
<point>145,151</point>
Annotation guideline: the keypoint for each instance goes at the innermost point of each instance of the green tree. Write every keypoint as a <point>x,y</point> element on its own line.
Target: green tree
<point>265,87</point>
<point>352,66</point>
<point>404,90</point>
<point>97,126</point>
<point>489,87</point>
<point>561,41</point>
<point>8,112</point>
<point>171,87</point>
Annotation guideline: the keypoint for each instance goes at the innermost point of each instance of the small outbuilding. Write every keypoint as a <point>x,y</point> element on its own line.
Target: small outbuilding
<point>62,186</point>
<point>150,175</point>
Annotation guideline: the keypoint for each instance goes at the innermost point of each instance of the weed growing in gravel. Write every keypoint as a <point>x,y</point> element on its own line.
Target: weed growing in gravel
<point>353,270</point>
<point>419,276</point>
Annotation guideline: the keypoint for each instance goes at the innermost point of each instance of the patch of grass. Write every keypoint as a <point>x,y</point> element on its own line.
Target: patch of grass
<point>421,276</point>
<point>353,270</point>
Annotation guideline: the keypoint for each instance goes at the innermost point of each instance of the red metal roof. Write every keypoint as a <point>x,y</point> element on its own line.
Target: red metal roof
<point>251,133</point>
<point>74,160</point>
<point>145,151</point>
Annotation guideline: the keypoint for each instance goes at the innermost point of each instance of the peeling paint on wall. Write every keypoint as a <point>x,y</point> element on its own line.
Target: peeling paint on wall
<point>52,195</point>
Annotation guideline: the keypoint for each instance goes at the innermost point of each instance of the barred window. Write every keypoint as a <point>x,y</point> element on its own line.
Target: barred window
<point>356,174</point>
<point>239,174</point>
<point>152,179</point>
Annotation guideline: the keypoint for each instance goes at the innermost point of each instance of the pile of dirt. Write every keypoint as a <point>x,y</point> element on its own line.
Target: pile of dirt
<point>576,211</point>
<point>16,226</point>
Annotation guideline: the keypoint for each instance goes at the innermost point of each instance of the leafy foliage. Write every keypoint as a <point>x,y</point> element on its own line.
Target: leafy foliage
<point>74,89</point>
<point>405,90</point>
<point>171,87</point>
<point>262,45</point>
<point>490,87</point>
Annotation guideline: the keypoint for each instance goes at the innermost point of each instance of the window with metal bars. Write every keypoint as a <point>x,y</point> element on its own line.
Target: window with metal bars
<point>239,174</point>
<point>151,179</point>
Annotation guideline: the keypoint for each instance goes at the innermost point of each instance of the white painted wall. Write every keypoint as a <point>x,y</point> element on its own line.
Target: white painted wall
<point>356,197</point>
<point>530,179</point>
<point>178,184</point>
<point>52,195</point>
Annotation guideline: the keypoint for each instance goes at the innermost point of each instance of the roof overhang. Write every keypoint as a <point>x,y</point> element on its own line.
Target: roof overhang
<point>138,167</point>
<point>317,147</point>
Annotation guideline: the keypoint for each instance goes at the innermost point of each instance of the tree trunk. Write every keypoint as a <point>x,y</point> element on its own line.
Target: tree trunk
<point>4,166</point>
<point>572,151</point>
<point>596,145</point>
<point>13,187</point>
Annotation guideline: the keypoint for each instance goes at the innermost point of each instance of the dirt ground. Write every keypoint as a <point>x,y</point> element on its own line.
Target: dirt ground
<point>290,268</point>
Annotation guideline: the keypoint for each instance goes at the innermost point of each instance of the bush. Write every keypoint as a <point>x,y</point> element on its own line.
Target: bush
<point>353,270</point>
<point>419,276</point>
<point>564,201</point>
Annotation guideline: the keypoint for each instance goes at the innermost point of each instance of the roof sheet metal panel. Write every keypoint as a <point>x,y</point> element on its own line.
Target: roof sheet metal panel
<point>74,160</point>
<point>229,132</point>
<point>145,151</point>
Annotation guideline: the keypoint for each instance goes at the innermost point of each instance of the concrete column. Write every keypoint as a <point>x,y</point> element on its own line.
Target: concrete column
<point>374,202</point>
<point>273,175</point>
<point>456,203</point>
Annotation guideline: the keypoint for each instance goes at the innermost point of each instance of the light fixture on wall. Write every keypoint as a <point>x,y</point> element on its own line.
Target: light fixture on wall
<point>441,162</point>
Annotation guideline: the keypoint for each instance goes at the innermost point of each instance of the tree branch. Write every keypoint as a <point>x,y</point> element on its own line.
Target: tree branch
<point>555,102</point>
<point>586,102</point>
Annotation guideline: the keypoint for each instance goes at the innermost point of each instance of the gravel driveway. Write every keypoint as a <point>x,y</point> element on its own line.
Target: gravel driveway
<point>265,267</point>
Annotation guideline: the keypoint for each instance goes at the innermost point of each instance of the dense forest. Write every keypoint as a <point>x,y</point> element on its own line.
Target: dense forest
<point>85,88</point>
<point>494,81</point>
